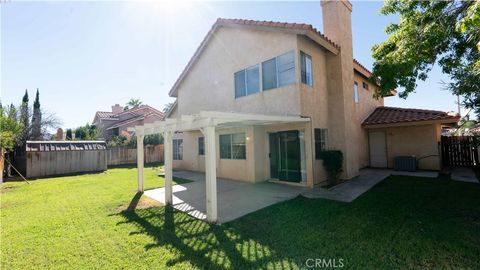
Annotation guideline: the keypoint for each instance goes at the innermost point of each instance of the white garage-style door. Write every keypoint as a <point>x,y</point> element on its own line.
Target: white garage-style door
<point>378,149</point>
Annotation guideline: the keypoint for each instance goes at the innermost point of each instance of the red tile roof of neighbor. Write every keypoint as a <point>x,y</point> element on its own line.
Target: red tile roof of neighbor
<point>297,28</point>
<point>134,111</point>
<point>392,115</point>
<point>104,114</point>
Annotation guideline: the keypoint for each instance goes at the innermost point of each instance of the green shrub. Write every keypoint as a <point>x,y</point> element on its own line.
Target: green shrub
<point>332,161</point>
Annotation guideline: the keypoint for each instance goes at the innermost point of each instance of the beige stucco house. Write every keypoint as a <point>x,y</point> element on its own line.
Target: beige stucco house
<point>293,70</point>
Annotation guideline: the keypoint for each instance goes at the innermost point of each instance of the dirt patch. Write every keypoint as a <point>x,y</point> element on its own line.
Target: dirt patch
<point>7,189</point>
<point>143,203</point>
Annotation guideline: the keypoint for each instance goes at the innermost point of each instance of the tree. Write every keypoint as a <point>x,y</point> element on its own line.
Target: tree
<point>25,118</point>
<point>132,104</point>
<point>429,32</point>
<point>68,136</point>
<point>87,132</point>
<point>10,128</point>
<point>36,119</point>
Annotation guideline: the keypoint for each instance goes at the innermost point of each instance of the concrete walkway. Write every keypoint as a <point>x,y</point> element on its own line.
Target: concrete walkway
<point>464,174</point>
<point>235,198</point>
<point>350,190</point>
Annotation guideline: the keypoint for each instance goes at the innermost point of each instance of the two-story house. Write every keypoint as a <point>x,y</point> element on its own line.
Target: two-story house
<point>112,123</point>
<point>311,79</point>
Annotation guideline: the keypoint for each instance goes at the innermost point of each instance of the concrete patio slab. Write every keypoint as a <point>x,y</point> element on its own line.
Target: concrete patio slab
<point>235,198</point>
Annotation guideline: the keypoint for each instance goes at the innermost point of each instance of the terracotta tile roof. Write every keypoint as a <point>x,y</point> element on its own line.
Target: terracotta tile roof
<point>285,25</point>
<point>392,115</point>
<point>127,121</point>
<point>105,114</point>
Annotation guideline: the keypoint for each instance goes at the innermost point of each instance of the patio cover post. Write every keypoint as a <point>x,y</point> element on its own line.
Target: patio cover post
<point>168,156</point>
<point>211,173</point>
<point>140,137</point>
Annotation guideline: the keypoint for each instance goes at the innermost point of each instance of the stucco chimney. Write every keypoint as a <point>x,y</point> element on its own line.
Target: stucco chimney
<point>337,26</point>
<point>337,22</point>
<point>117,109</point>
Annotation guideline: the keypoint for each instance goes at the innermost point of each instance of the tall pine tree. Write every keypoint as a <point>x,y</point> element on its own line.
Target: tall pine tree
<point>25,118</point>
<point>36,119</point>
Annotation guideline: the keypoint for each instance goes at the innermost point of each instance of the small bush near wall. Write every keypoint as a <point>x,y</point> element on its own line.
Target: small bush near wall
<point>332,162</point>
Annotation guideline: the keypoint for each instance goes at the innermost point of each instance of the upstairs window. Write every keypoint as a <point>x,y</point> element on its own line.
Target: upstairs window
<point>306,68</point>
<point>286,68</point>
<point>269,74</point>
<point>177,149</point>
<point>201,146</point>
<point>365,85</point>
<point>232,146</point>
<point>247,81</point>
<point>356,94</point>
<point>320,141</point>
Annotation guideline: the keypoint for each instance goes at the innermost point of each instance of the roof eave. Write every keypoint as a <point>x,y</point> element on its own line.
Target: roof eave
<point>412,123</point>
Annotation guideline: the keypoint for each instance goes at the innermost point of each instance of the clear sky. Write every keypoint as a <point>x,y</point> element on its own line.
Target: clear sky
<point>87,56</point>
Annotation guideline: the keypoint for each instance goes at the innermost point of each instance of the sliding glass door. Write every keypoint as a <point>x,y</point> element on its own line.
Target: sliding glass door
<point>285,156</point>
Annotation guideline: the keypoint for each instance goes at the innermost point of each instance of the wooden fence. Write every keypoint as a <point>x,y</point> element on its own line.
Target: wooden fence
<point>460,151</point>
<point>128,155</point>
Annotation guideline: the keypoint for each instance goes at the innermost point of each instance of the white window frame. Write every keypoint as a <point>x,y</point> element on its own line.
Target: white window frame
<point>356,93</point>
<point>260,73</point>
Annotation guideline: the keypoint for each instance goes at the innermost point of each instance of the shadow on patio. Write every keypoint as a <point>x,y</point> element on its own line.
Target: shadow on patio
<point>199,243</point>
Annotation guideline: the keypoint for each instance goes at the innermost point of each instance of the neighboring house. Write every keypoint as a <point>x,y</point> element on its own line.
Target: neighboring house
<point>287,69</point>
<point>112,123</point>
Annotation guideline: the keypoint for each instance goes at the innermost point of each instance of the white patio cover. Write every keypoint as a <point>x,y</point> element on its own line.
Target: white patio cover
<point>207,122</point>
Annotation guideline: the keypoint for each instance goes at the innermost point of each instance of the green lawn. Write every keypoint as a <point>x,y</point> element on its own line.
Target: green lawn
<point>90,221</point>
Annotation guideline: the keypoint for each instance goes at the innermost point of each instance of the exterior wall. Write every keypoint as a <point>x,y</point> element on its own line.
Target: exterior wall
<point>314,100</point>
<point>367,104</point>
<point>256,166</point>
<point>210,82</point>
<point>49,163</point>
<point>329,102</point>
<point>419,140</point>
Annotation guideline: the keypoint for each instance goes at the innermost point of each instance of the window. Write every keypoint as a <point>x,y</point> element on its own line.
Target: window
<point>232,146</point>
<point>306,68</point>
<point>286,68</point>
<point>177,149</point>
<point>320,141</point>
<point>355,92</point>
<point>269,74</point>
<point>365,85</point>
<point>240,85</point>
<point>276,72</point>
<point>247,81</point>
<point>201,146</point>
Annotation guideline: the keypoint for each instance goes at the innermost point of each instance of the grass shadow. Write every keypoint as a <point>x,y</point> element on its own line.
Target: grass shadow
<point>204,245</point>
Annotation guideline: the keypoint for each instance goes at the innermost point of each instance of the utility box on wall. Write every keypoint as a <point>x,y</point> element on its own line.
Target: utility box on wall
<point>405,163</point>
<point>49,158</point>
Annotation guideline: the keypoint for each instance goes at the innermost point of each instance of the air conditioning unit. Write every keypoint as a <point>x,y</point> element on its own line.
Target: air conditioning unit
<point>405,163</point>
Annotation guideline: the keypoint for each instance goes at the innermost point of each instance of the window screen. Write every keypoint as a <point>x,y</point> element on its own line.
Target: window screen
<point>320,141</point>
<point>232,146</point>
<point>306,62</point>
<point>286,68</point>
<point>201,146</point>
<point>253,80</point>
<point>356,93</point>
<point>269,74</point>
<point>240,86</point>
<point>177,149</point>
